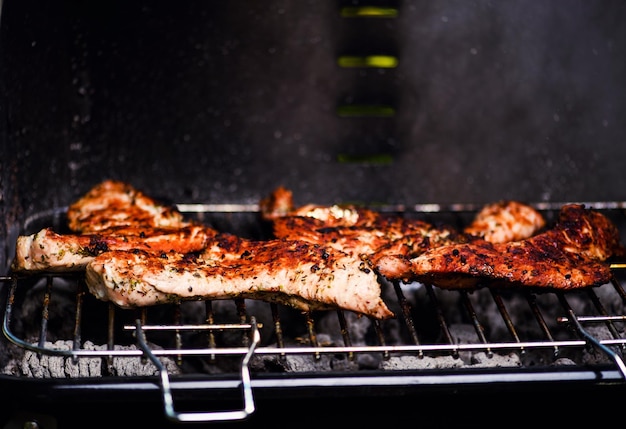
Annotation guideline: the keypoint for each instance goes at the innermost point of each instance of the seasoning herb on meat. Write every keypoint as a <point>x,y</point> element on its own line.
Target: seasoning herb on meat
<point>570,255</point>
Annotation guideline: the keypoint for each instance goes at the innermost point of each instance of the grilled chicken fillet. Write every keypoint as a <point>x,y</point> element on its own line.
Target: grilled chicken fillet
<point>504,221</point>
<point>48,251</point>
<point>279,204</point>
<point>363,240</point>
<point>389,240</point>
<point>354,230</point>
<point>570,255</point>
<point>302,275</point>
<point>115,204</point>
<point>498,222</point>
<point>111,216</point>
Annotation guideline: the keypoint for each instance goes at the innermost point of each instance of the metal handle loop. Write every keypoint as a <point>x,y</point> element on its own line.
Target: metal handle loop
<point>209,416</point>
<point>593,340</point>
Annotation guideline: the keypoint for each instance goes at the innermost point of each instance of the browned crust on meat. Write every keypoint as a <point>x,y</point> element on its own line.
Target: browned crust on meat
<point>505,221</point>
<point>305,276</point>
<point>535,264</point>
<point>115,204</point>
<point>569,256</point>
<point>364,232</point>
<point>383,235</point>
<point>280,204</point>
<point>48,251</point>
<point>277,204</point>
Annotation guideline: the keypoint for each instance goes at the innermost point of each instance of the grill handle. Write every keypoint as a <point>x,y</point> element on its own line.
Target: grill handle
<point>610,353</point>
<point>575,323</point>
<point>200,416</point>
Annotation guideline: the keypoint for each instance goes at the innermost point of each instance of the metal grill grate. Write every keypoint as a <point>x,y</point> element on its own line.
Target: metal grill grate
<point>434,328</point>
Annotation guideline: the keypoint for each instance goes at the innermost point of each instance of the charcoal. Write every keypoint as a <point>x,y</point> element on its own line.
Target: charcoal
<point>417,362</point>
<point>33,364</point>
<point>495,360</point>
<point>304,363</point>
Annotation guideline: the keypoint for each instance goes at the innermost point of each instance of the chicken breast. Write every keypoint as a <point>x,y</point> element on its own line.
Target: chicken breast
<point>48,251</point>
<point>304,276</point>
<point>390,235</point>
<point>115,204</point>
<point>279,204</point>
<point>571,255</point>
<point>504,221</point>
<point>364,232</point>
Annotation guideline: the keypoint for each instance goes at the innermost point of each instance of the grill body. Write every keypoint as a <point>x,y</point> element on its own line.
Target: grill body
<point>215,104</point>
<point>234,362</point>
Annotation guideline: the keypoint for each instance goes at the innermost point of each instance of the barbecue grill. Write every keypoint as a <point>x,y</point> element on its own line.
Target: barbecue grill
<point>62,334</point>
<point>414,109</point>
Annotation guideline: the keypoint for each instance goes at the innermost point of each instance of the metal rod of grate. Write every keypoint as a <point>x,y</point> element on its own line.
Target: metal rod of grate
<point>415,343</point>
<point>312,346</point>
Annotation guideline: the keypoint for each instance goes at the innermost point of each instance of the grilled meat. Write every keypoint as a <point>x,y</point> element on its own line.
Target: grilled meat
<point>339,215</point>
<point>358,240</point>
<point>111,216</point>
<point>279,204</point>
<point>498,222</point>
<point>366,233</point>
<point>48,251</point>
<point>390,235</point>
<point>302,275</point>
<point>114,204</point>
<point>504,221</point>
<point>570,255</point>
<point>137,252</point>
<point>354,230</point>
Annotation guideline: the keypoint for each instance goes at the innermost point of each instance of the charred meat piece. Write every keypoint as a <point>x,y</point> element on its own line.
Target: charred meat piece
<point>389,241</point>
<point>498,222</point>
<point>354,230</point>
<point>48,251</point>
<point>115,204</point>
<point>111,216</point>
<point>389,235</point>
<point>365,232</point>
<point>504,221</point>
<point>570,255</point>
<point>279,204</point>
<point>302,275</point>
<point>339,215</point>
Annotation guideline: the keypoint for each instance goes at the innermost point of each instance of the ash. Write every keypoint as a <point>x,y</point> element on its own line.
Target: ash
<point>39,365</point>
